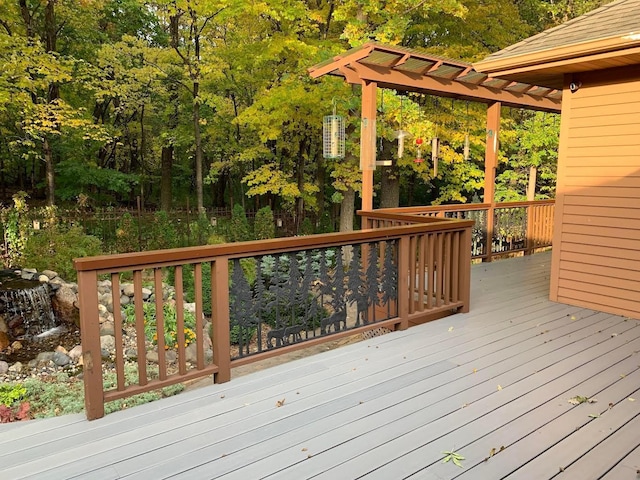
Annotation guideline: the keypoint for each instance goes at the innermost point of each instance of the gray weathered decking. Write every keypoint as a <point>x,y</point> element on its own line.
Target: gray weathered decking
<point>387,408</point>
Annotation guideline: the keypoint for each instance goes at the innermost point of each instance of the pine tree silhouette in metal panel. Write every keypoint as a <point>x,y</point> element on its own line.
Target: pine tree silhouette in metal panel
<point>277,291</point>
<point>242,307</point>
<point>371,285</point>
<point>390,277</point>
<point>355,286</point>
<point>259,299</point>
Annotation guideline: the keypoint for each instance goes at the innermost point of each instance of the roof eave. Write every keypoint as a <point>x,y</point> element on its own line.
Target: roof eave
<point>534,60</point>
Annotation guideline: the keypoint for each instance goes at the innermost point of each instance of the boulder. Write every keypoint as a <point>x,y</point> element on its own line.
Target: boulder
<point>3,325</point>
<point>127,289</point>
<point>60,359</point>
<point>65,305</point>
<point>107,342</point>
<point>107,328</point>
<point>4,367</point>
<point>16,367</point>
<point>146,293</point>
<point>50,274</point>
<point>75,353</point>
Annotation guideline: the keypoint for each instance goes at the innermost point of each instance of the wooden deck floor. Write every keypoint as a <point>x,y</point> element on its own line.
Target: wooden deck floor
<point>387,408</point>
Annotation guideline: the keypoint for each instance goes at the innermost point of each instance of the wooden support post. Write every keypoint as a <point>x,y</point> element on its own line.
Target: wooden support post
<point>464,273</point>
<point>220,321</point>
<point>490,164</point>
<point>368,142</point>
<point>91,353</point>
<point>404,294</point>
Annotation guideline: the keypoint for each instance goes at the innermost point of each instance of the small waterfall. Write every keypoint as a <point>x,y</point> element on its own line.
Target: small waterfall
<point>25,306</point>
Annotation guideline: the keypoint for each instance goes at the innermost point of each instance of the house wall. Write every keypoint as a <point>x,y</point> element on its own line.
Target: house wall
<point>596,247</point>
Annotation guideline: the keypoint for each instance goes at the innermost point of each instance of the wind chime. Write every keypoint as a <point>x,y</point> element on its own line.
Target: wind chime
<point>435,143</point>
<point>333,135</point>
<point>400,133</point>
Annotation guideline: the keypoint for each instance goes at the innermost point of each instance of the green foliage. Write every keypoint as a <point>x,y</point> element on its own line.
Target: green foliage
<point>11,393</point>
<point>264,226</point>
<point>201,231</point>
<point>55,248</point>
<point>62,396</point>
<point>162,234</point>
<point>170,323</point>
<point>127,235</point>
<point>16,228</point>
<point>239,230</point>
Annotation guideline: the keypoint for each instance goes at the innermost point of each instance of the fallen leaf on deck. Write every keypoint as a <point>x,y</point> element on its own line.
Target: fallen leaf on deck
<point>577,400</point>
<point>594,415</point>
<point>573,317</point>
<point>455,457</point>
<point>499,387</point>
<point>632,399</point>
<point>280,403</point>
<point>304,449</point>
<point>451,329</point>
<point>614,334</point>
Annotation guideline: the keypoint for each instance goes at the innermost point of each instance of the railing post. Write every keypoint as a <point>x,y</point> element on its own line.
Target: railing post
<point>464,274</point>
<point>91,352</point>
<point>404,296</point>
<point>220,319</point>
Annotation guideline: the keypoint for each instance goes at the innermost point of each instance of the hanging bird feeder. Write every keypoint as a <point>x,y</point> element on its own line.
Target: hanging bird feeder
<point>419,158</point>
<point>401,134</point>
<point>333,135</point>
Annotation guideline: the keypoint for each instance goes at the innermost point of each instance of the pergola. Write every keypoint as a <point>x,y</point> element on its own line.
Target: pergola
<point>374,65</point>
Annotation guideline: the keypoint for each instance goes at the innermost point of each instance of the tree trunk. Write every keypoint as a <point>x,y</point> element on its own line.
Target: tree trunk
<point>198,140</point>
<point>48,159</point>
<point>165,179</point>
<point>390,188</point>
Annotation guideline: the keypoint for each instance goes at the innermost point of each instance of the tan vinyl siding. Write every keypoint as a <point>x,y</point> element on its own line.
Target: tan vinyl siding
<point>597,242</point>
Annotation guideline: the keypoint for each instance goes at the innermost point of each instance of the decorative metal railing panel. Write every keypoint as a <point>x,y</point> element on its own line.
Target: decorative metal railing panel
<point>288,298</point>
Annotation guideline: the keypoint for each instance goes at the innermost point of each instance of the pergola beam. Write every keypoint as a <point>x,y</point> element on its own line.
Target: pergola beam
<point>443,87</point>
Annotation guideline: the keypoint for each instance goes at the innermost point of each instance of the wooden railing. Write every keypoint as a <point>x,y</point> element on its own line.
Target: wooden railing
<point>515,226</point>
<point>268,297</point>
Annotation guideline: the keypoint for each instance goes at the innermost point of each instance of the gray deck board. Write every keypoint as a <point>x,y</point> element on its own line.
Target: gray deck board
<point>389,406</point>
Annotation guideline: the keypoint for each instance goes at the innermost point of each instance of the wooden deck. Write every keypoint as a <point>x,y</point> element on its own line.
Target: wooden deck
<point>387,408</point>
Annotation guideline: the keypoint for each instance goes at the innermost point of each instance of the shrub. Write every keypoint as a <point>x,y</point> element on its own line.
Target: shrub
<point>264,226</point>
<point>127,235</point>
<point>54,248</point>
<point>162,233</point>
<point>239,230</point>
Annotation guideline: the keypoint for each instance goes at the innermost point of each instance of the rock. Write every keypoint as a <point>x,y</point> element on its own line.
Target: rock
<point>16,367</point>
<point>103,290</point>
<point>131,353</point>
<point>104,283</point>
<point>146,293</point>
<point>27,275</point>
<point>190,307</point>
<point>50,274</point>
<point>44,358</point>
<point>104,297</point>
<point>152,356</point>
<point>64,304</point>
<point>15,346</point>
<point>107,342</point>
<point>4,341</point>
<point>191,353</point>
<point>61,349</point>
<point>4,367</point>
<point>60,359</point>
<point>3,325</point>
<point>171,356</point>
<point>127,289</point>
<point>102,310</point>
<point>107,328</point>
<point>75,353</point>
<point>124,300</point>
<point>107,317</point>
<point>57,281</point>
<point>43,278</point>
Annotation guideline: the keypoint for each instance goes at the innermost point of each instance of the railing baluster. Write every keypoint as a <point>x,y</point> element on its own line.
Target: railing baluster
<point>431,270</point>
<point>117,329</point>
<point>412,274</point>
<point>446,271</point>
<point>140,333</point>
<point>197,280</point>
<point>220,319</point>
<point>182,360</point>
<point>159,301</point>
<point>455,266</point>
<point>421,271</point>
